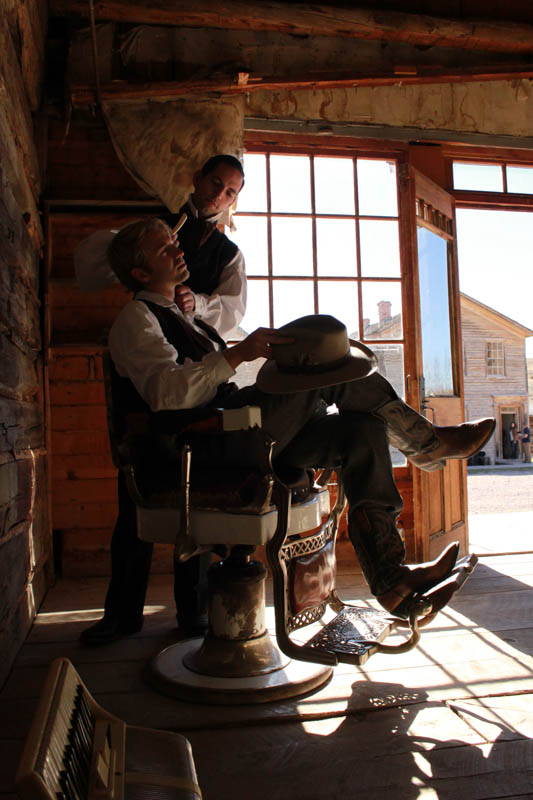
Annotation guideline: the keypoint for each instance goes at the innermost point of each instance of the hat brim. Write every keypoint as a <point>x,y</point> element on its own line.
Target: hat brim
<point>360,364</point>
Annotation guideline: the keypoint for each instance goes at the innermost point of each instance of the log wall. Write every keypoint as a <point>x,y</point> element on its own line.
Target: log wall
<point>25,542</point>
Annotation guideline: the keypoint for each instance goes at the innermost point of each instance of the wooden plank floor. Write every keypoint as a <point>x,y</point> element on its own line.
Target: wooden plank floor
<point>451,719</point>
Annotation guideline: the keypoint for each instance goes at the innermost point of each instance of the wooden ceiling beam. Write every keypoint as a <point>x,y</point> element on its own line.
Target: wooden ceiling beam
<point>312,20</point>
<point>125,92</point>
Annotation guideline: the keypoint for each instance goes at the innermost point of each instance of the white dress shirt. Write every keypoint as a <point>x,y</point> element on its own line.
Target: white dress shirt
<point>141,353</point>
<point>223,310</point>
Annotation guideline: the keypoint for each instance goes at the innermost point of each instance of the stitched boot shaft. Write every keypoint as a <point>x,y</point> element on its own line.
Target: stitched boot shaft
<point>407,430</point>
<point>379,546</point>
<point>429,446</point>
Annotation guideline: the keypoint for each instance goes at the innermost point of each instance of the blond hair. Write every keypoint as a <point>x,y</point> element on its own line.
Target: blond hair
<point>125,252</point>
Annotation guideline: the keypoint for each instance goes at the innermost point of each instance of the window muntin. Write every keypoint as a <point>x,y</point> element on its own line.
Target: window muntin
<point>495,358</point>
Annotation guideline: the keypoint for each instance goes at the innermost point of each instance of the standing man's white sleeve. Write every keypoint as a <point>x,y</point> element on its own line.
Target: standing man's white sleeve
<point>224,309</point>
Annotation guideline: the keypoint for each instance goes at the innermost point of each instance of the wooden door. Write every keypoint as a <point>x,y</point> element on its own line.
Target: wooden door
<point>440,497</point>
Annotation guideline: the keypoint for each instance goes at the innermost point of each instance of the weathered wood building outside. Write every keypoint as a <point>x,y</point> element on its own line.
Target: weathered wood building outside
<point>417,86</point>
<point>495,372</point>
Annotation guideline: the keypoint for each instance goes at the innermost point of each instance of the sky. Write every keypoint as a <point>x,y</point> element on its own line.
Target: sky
<point>495,250</point>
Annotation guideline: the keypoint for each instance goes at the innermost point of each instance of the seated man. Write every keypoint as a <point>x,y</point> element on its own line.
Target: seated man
<point>170,365</point>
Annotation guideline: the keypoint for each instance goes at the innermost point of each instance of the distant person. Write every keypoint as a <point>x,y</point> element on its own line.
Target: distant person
<point>515,439</point>
<point>525,436</point>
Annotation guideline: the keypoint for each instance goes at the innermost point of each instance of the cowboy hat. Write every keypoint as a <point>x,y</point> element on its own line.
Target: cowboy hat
<point>320,355</point>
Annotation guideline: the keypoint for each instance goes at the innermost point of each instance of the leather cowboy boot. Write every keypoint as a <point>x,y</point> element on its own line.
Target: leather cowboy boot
<point>418,579</point>
<point>426,445</point>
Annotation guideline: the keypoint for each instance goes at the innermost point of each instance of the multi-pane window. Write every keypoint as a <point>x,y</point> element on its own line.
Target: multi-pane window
<point>320,234</point>
<point>495,358</point>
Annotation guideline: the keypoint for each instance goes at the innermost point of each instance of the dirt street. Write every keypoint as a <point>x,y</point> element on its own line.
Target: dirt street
<point>500,492</point>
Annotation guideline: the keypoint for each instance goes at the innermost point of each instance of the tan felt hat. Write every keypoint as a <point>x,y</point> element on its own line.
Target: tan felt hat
<point>321,355</point>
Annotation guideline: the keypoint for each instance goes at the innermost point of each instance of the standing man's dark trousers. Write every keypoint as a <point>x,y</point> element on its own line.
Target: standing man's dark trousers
<point>131,559</point>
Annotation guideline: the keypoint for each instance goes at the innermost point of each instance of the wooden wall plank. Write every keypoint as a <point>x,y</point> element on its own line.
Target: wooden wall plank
<point>85,150</point>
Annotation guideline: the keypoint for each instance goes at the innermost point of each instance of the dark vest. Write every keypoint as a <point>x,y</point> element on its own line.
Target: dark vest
<point>206,250</point>
<point>189,344</point>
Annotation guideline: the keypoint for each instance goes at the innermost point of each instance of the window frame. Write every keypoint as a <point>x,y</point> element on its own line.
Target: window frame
<point>488,344</point>
<point>343,147</point>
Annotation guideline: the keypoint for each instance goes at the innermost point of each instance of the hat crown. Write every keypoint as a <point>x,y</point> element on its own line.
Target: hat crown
<point>320,341</point>
<point>320,355</point>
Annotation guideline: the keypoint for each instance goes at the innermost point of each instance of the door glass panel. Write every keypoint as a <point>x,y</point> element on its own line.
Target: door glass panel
<point>334,186</point>
<point>376,188</point>
<point>292,299</point>
<point>390,365</point>
<point>478,177</point>
<point>292,246</point>
<point>339,299</point>
<point>382,310</point>
<point>335,247</point>
<point>290,184</point>
<point>257,308</point>
<point>253,195</point>
<point>251,237</point>
<point>380,248</point>
<point>520,179</point>
<point>435,313</point>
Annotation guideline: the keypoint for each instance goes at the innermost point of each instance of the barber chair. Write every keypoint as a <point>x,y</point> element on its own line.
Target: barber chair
<point>246,505</point>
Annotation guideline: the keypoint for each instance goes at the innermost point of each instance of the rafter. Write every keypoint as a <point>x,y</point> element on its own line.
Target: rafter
<point>312,20</point>
<point>124,92</point>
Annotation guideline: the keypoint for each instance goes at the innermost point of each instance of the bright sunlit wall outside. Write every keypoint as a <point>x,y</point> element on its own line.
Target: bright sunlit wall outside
<point>320,234</point>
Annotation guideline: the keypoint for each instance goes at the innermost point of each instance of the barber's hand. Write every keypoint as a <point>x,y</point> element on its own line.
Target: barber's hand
<point>184,298</point>
<point>256,345</point>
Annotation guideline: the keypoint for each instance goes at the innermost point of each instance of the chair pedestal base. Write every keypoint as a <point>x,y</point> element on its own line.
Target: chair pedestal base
<point>167,672</point>
<point>237,661</point>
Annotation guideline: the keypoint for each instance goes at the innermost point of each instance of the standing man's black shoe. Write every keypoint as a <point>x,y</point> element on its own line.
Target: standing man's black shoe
<point>108,630</point>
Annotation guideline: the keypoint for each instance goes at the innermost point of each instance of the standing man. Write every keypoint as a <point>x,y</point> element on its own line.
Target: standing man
<point>216,287</point>
<point>526,444</point>
<point>216,294</point>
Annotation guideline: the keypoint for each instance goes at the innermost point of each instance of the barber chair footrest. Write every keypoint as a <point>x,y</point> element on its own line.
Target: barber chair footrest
<point>350,635</point>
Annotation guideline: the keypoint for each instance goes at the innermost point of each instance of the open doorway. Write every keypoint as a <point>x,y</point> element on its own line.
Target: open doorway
<point>506,439</point>
<point>494,251</point>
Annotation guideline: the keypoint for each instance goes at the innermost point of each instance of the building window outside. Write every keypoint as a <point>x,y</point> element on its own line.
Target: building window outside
<point>320,234</point>
<point>495,359</point>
